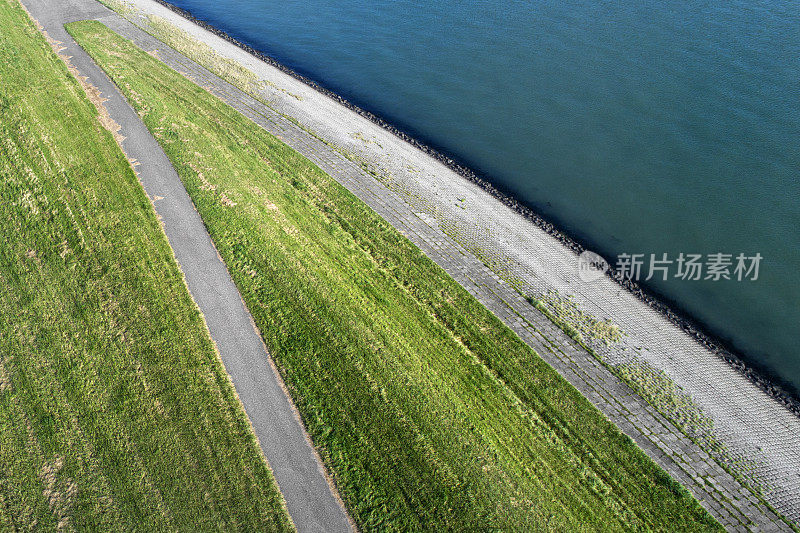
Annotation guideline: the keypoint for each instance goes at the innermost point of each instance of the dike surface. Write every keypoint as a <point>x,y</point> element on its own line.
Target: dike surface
<point>705,422</point>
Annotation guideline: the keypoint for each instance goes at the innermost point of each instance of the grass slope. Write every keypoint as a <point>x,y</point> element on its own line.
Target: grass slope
<point>115,412</point>
<point>429,411</point>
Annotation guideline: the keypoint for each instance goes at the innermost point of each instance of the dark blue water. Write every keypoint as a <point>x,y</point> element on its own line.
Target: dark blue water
<point>640,127</point>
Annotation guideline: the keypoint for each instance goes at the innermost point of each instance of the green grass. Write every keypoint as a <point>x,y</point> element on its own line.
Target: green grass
<point>115,411</point>
<point>430,413</point>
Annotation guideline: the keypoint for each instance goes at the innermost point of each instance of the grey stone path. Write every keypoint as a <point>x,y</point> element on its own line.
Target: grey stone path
<point>310,500</point>
<point>731,503</point>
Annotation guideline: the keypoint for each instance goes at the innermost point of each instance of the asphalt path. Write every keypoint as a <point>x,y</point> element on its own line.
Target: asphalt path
<point>310,498</point>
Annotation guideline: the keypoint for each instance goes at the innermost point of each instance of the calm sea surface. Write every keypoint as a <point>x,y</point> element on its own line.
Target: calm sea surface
<point>639,127</point>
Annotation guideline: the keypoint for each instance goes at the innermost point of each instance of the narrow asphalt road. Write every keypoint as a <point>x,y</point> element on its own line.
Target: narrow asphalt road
<point>312,503</point>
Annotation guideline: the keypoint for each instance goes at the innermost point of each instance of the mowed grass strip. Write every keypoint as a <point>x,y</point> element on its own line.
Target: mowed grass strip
<point>430,412</point>
<point>115,412</point>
